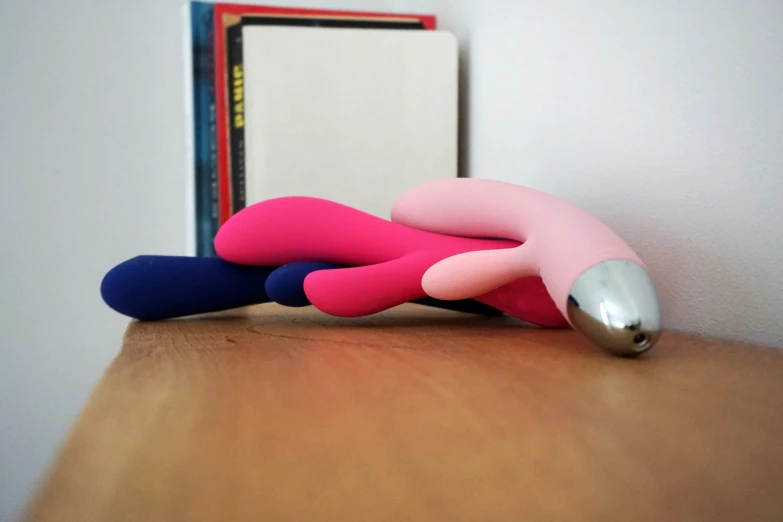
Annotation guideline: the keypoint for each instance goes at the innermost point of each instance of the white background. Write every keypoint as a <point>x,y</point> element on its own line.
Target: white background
<point>664,118</point>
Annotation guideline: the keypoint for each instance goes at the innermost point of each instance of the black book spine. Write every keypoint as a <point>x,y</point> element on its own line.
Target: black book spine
<point>236,96</point>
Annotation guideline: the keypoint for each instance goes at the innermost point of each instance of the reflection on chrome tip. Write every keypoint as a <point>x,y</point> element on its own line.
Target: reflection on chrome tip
<point>614,304</point>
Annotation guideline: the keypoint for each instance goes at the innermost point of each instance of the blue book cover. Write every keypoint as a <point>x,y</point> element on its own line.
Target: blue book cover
<point>204,125</point>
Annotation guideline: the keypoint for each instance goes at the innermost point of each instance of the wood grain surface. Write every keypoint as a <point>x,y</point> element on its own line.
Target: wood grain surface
<point>418,415</point>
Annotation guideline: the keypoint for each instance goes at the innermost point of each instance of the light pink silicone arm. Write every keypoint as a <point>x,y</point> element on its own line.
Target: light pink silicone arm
<point>594,278</point>
<point>561,241</point>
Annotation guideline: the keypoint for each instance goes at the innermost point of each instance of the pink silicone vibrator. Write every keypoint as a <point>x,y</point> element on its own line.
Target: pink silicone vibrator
<point>595,279</point>
<point>384,261</point>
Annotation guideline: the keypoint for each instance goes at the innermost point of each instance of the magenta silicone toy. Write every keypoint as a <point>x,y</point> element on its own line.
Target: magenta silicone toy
<point>387,259</point>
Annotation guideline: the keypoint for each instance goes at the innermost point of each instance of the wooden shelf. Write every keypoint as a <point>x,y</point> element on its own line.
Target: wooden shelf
<point>419,415</point>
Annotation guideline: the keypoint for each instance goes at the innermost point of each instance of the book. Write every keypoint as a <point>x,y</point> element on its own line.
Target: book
<point>230,18</point>
<point>354,116</point>
<point>204,126</point>
<point>235,81</point>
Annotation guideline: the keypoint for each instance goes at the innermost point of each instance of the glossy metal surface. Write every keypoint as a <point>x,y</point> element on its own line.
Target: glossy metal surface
<point>615,305</point>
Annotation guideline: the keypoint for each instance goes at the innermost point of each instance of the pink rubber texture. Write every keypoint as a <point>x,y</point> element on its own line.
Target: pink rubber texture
<point>559,240</point>
<point>389,259</point>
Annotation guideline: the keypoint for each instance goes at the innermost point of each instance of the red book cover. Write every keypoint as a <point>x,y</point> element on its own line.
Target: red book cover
<point>224,15</point>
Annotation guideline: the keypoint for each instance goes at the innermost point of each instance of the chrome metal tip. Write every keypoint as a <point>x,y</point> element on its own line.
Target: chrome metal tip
<point>614,304</point>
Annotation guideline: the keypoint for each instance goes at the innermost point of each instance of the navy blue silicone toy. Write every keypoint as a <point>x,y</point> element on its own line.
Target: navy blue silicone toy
<point>285,285</point>
<point>154,288</point>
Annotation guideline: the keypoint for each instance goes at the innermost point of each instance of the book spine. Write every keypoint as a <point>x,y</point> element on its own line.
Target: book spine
<point>236,95</point>
<point>205,127</point>
<point>221,108</point>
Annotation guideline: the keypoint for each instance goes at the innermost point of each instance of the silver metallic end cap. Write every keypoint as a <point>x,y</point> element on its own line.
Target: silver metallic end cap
<point>614,304</point>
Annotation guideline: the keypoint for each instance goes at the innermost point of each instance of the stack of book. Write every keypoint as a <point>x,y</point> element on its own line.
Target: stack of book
<point>349,106</point>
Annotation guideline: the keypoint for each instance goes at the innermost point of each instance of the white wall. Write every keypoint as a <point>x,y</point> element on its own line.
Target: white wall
<point>663,118</point>
<point>92,159</point>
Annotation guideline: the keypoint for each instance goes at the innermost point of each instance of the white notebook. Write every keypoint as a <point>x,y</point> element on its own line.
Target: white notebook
<point>357,116</point>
